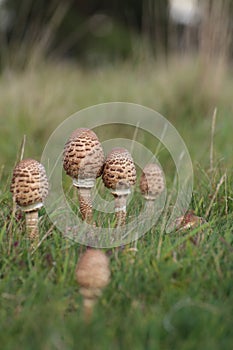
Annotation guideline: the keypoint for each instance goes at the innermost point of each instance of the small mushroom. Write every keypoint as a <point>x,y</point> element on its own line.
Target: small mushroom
<point>152,184</point>
<point>29,187</point>
<point>119,175</point>
<point>189,222</point>
<point>93,274</point>
<point>83,161</point>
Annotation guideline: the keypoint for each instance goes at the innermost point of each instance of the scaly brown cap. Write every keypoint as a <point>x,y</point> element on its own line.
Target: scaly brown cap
<point>119,172</point>
<point>83,157</point>
<point>152,181</point>
<point>29,184</point>
<point>92,270</point>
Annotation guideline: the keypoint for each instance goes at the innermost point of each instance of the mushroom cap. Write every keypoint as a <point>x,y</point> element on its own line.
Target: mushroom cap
<point>92,271</point>
<point>189,221</point>
<point>119,171</point>
<point>29,184</point>
<point>83,157</point>
<point>152,181</point>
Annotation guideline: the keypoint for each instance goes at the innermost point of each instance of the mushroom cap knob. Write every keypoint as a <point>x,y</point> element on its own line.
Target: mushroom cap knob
<point>152,181</point>
<point>92,271</point>
<point>83,157</point>
<point>119,172</point>
<point>29,184</point>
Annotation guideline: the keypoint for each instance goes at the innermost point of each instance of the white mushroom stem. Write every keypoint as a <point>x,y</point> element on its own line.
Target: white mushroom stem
<point>85,197</point>
<point>120,206</point>
<point>88,306</point>
<point>149,206</point>
<point>85,203</point>
<point>120,210</point>
<point>32,225</point>
<point>90,297</point>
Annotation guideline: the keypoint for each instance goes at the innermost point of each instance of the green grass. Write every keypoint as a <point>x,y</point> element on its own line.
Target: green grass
<point>151,302</point>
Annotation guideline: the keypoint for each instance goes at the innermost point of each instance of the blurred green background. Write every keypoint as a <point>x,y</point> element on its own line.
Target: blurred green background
<point>57,57</point>
<point>91,32</point>
<point>99,32</point>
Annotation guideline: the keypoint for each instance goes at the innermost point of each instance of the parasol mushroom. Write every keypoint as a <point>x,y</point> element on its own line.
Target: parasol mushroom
<point>29,187</point>
<point>119,175</point>
<point>152,184</point>
<point>83,161</point>
<point>93,274</point>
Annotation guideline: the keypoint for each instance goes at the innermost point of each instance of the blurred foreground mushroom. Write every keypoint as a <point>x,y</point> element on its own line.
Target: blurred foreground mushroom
<point>93,274</point>
<point>152,184</point>
<point>29,187</point>
<point>119,175</point>
<point>83,161</point>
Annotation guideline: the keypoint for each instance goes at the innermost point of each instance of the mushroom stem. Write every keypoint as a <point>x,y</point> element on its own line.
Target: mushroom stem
<point>90,296</point>
<point>32,225</point>
<point>149,207</point>
<point>120,209</point>
<point>88,305</point>
<point>85,203</point>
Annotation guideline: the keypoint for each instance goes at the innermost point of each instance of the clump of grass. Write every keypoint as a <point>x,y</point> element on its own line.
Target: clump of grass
<point>175,300</point>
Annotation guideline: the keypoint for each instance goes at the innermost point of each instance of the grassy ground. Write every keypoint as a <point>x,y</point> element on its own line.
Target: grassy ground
<point>152,302</point>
